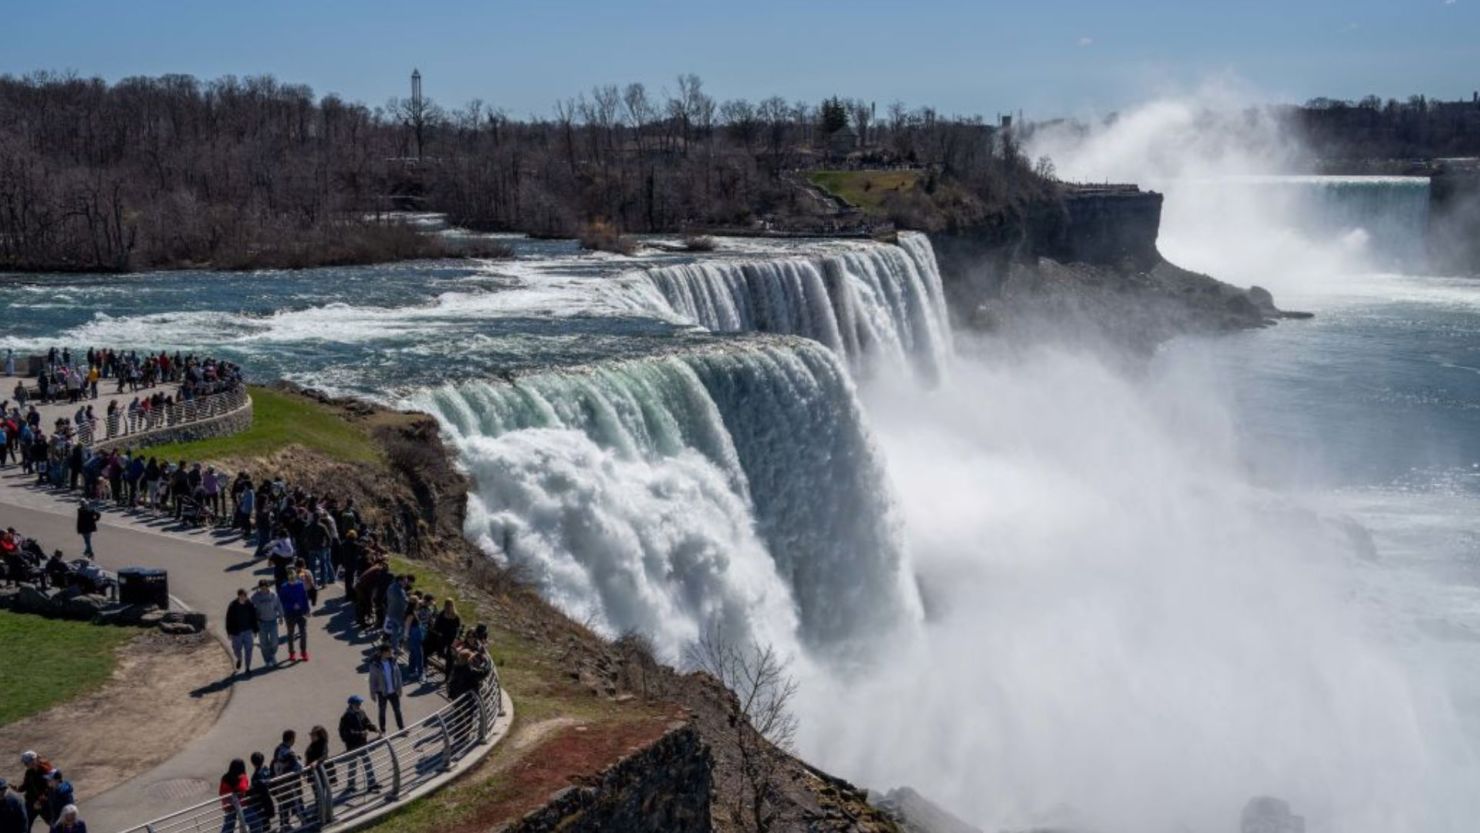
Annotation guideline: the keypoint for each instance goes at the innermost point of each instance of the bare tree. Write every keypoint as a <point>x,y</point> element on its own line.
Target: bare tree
<point>418,114</point>
<point>639,110</point>
<point>764,728</point>
<point>862,114</point>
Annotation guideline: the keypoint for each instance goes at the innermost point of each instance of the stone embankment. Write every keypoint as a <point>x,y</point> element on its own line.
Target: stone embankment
<point>663,788</point>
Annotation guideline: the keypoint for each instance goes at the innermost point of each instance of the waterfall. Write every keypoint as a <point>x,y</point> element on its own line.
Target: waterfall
<point>733,484</point>
<point>879,306</point>
<point>1390,212</point>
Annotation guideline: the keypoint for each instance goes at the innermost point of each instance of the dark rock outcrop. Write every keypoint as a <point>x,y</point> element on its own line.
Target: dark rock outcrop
<point>1088,267</point>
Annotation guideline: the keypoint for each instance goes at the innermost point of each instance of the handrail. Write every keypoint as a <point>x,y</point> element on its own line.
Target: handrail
<point>123,423</point>
<point>410,758</point>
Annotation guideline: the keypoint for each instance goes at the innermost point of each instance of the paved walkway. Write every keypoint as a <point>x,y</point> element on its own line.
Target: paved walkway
<point>205,569</point>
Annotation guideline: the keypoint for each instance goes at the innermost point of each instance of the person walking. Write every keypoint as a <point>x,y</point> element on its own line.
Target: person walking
<point>234,787</point>
<point>354,730</point>
<point>241,627</point>
<point>87,524</point>
<point>12,810</point>
<point>294,597</point>
<point>269,611</point>
<point>386,685</point>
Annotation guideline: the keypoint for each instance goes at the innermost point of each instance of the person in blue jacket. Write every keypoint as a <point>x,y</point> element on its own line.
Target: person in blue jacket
<point>59,794</point>
<point>293,595</point>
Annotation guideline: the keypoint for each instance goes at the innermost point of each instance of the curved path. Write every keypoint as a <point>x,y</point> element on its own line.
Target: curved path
<point>205,570</point>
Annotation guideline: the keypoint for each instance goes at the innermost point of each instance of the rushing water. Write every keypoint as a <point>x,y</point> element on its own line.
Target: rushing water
<point>1042,591</point>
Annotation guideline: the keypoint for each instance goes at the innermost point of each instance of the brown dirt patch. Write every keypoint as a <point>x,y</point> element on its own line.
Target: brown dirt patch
<point>571,755</point>
<point>161,696</point>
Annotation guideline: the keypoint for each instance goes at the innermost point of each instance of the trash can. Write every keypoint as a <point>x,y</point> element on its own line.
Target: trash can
<point>144,586</point>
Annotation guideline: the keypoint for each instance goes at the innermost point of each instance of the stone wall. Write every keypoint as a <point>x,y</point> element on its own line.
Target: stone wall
<point>664,788</point>
<point>233,422</point>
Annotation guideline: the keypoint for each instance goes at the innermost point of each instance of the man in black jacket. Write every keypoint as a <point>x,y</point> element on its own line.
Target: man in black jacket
<point>241,627</point>
<point>355,727</point>
<point>87,524</point>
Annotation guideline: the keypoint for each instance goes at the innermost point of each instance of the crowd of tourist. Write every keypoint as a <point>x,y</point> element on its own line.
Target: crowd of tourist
<point>308,542</point>
<point>43,795</point>
<point>173,380</point>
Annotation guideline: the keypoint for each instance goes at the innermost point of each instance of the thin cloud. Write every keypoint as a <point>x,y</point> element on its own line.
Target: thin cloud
<point>1089,41</point>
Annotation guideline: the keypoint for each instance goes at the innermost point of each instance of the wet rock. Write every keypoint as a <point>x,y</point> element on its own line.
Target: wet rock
<point>1264,814</point>
<point>917,814</point>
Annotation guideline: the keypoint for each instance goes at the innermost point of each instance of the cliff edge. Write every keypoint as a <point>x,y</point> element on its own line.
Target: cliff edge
<point>1086,267</point>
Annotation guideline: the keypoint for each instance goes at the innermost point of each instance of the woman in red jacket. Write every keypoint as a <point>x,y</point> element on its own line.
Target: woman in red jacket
<point>233,784</point>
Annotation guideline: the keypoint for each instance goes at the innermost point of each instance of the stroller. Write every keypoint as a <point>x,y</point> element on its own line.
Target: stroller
<point>195,511</point>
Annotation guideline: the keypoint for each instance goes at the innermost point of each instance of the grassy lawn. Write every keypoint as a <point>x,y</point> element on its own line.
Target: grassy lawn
<point>864,189</point>
<point>280,419</point>
<point>49,661</point>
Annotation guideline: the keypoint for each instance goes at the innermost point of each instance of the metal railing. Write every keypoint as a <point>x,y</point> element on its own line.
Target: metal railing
<point>355,784</point>
<point>124,423</point>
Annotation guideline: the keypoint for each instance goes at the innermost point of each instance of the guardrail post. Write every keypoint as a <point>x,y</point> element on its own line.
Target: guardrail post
<point>482,717</point>
<point>446,743</point>
<point>241,816</point>
<point>325,796</point>
<point>395,769</point>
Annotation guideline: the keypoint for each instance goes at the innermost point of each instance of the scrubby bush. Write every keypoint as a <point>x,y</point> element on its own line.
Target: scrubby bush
<point>603,236</point>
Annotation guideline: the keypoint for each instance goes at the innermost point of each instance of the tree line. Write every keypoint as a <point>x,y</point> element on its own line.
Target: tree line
<point>1373,129</point>
<point>173,171</point>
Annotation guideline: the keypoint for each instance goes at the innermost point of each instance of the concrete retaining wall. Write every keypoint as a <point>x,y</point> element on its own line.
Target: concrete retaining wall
<point>233,422</point>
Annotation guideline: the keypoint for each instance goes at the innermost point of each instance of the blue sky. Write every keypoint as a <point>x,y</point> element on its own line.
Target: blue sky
<point>1050,57</point>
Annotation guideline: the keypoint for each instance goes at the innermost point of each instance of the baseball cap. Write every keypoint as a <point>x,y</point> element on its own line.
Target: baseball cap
<point>355,699</point>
